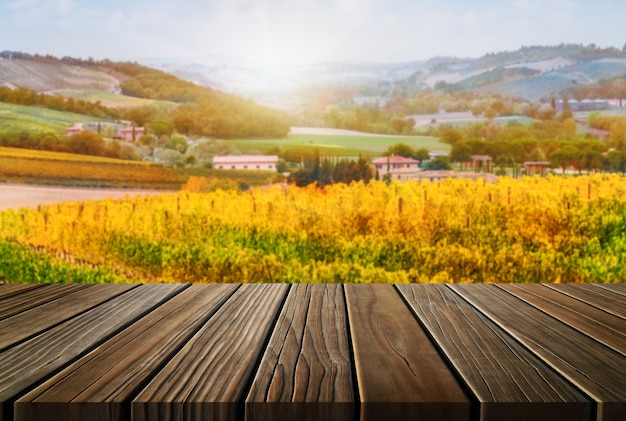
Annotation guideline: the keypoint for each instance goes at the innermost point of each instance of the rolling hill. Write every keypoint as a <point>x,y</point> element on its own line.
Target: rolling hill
<point>192,109</point>
<point>530,73</point>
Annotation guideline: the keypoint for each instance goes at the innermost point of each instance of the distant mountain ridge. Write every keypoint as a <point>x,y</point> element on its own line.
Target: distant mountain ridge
<point>531,73</point>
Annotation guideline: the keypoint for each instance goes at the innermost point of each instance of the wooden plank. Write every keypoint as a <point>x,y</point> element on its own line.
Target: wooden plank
<point>207,379</point>
<point>26,365</point>
<point>592,367</point>
<point>96,386</point>
<point>509,382</point>
<point>31,322</point>
<point>306,373</point>
<point>600,325</point>
<point>9,290</point>
<point>400,374</point>
<point>22,302</point>
<point>593,295</point>
<point>614,288</point>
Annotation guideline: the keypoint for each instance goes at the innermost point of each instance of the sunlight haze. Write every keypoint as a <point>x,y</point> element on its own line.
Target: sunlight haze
<point>277,32</point>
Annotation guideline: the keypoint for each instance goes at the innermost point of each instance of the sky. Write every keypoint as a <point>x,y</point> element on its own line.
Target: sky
<point>303,31</point>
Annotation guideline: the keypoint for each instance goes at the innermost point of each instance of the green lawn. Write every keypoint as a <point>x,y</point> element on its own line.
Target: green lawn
<point>19,118</point>
<point>340,145</point>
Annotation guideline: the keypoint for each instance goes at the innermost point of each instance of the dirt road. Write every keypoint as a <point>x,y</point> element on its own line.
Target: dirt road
<point>14,196</point>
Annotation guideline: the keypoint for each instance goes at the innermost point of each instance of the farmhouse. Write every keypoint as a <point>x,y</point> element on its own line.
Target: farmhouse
<point>75,129</point>
<point>130,134</point>
<point>246,162</point>
<point>397,167</point>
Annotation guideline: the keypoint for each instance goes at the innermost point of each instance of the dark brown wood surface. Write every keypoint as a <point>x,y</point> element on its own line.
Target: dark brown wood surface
<point>29,363</point>
<point>615,288</point>
<point>97,385</point>
<point>508,381</point>
<point>596,296</point>
<point>24,325</point>
<point>9,290</point>
<point>207,379</point>
<point>594,368</point>
<point>593,322</point>
<point>304,352</point>
<point>21,302</point>
<point>306,372</point>
<point>397,363</point>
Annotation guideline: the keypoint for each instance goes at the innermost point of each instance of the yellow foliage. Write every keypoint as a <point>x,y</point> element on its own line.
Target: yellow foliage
<point>553,229</point>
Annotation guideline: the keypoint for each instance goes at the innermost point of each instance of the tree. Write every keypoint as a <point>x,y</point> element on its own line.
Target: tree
<point>177,143</point>
<point>617,135</point>
<point>140,116</point>
<point>439,163</point>
<point>569,128</point>
<point>161,128</point>
<point>399,149</point>
<point>421,154</point>
<point>451,136</point>
<point>490,113</point>
<point>87,143</point>
<point>460,152</point>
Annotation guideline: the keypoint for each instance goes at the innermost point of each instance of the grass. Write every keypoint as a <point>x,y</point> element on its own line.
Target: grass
<point>20,118</point>
<point>340,145</point>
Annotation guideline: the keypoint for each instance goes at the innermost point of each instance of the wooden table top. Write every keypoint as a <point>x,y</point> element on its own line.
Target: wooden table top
<point>312,352</point>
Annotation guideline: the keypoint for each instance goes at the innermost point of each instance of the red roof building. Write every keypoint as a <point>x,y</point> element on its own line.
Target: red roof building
<point>130,134</point>
<point>397,167</point>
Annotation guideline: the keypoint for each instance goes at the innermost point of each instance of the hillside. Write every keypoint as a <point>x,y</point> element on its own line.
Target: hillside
<point>48,74</point>
<point>530,73</point>
<point>193,110</point>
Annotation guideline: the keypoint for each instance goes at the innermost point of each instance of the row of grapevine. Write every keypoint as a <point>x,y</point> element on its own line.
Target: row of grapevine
<point>554,229</point>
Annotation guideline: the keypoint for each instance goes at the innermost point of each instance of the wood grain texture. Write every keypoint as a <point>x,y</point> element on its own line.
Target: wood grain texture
<point>614,288</point>
<point>19,303</point>
<point>400,374</point>
<point>600,325</point>
<point>25,365</point>
<point>305,372</point>
<point>24,325</point>
<point>96,386</point>
<point>594,368</point>
<point>208,377</point>
<point>9,290</point>
<point>595,295</point>
<point>509,382</point>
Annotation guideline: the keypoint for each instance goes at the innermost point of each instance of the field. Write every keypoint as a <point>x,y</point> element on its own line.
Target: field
<point>19,118</point>
<point>64,169</point>
<point>41,167</point>
<point>555,229</point>
<point>342,144</point>
<point>112,100</point>
<point>50,76</point>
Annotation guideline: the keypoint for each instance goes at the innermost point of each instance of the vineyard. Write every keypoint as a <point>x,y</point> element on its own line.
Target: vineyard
<point>552,229</point>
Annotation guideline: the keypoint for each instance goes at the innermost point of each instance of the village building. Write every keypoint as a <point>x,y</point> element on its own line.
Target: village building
<point>480,163</point>
<point>246,162</point>
<point>75,129</point>
<point>121,131</point>
<point>536,167</point>
<point>397,167</point>
<point>130,134</point>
